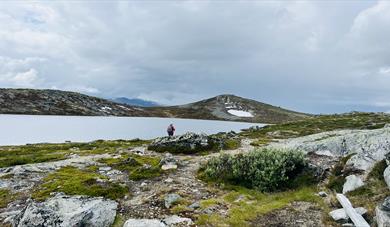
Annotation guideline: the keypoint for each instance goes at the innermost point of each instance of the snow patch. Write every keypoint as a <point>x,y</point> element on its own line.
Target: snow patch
<point>240,113</point>
<point>105,108</point>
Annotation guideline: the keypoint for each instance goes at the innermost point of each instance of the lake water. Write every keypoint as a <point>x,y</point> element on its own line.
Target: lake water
<point>22,129</point>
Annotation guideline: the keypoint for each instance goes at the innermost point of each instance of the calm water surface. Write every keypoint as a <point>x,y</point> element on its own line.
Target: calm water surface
<point>22,129</point>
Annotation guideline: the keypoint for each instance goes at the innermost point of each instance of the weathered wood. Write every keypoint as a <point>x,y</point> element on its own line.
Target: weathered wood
<point>356,218</point>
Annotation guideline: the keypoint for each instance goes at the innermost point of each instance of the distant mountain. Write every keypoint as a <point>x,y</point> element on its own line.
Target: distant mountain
<point>56,102</point>
<point>231,108</point>
<point>222,107</point>
<point>135,102</point>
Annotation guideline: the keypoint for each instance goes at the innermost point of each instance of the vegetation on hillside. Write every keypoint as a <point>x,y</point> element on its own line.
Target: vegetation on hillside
<point>317,124</point>
<point>35,153</point>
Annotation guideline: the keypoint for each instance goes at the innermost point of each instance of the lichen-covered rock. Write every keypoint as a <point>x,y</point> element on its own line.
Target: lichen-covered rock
<point>382,213</point>
<point>176,220</point>
<point>352,182</point>
<point>64,211</point>
<point>171,199</point>
<point>369,146</point>
<point>144,223</point>
<point>186,143</point>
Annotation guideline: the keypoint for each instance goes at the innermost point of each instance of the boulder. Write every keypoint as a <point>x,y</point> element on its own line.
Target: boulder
<point>176,220</point>
<point>186,143</point>
<point>144,223</point>
<point>340,214</point>
<point>369,146</point>
<point>352,182</point>
<point>169,167</point>
<point>382,213</point>
<point>171,199</point>
<point>386,175</point>
<point>63,211</point>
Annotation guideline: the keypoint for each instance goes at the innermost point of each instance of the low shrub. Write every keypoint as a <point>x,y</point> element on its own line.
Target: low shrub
<point>264,169</point>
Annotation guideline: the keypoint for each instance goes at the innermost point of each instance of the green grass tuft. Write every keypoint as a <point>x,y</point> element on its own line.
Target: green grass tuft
<point>74,181</point>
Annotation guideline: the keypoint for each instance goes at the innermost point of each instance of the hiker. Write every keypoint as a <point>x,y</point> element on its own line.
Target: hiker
<point>171,130</point>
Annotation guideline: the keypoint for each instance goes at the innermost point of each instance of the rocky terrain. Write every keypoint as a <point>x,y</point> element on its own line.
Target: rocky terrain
<point>232,108</point>
<point>160,182</point>
<point>223,107</point>
<point>55,102</point>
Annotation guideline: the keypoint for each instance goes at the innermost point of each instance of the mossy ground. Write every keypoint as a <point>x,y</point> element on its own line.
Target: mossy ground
<point>6,196</point>
<point>75,181</point>
<point>246,204</point>
<point>373,192</point>
<point>137,167</point>
<point>35,153</point>
<point>317,124</point>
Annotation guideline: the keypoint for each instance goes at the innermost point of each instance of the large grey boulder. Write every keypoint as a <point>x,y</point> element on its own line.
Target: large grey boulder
<point>382,213</point>
<point>186,143</point>
<point>352,182</point>
<point>64,211</point>
<point>370,146</point>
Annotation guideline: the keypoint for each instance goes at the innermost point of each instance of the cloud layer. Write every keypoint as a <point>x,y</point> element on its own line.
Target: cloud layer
<point>310,56</point>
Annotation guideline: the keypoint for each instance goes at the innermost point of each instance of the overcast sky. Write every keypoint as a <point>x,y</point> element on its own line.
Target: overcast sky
<point>317,56</point>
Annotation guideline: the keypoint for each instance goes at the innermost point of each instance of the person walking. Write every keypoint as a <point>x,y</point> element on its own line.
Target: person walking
<point>171,130</point>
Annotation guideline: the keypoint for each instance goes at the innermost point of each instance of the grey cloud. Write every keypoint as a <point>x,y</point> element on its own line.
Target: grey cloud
<point>310,56</point>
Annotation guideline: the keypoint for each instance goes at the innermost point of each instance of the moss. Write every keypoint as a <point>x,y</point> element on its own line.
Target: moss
<point>74,181</point>
<point>261,142</point>
<point>138,167</point>
<point>209,203</point>
<point>252,204</point>
<point>35,153</point>
<point>7,176</point>
<point>119,220</point>
<point>231,144</point>
<point>6,197</point>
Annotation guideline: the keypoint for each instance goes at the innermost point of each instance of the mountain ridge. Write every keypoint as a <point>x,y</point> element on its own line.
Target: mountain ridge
<point>223,107</point>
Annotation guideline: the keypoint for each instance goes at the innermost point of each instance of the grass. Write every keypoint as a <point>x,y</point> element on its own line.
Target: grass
<point>74,181</point>
<point>337,178</point>
<point>35,153</point>
<point>246,204</point>
<point>6,197</point>
<point>137,167</point>
<point>373,192</point>
<point>321,123</point>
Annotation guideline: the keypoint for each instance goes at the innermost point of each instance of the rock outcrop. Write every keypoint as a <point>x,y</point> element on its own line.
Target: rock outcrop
<point>64,211</point>
<point>186,143</point>
<point>352,182</point>
<point>369,146</point>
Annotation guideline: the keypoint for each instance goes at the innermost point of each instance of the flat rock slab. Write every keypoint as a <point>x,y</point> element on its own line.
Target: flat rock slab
<point>340,214</point>
<point>64,211</point>
<point>144,223</point>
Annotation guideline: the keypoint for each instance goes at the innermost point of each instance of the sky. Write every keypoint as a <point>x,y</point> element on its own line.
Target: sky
<point>309,56</point>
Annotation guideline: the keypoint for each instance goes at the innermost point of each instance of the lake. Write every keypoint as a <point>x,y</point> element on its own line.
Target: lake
<point>22,129</point>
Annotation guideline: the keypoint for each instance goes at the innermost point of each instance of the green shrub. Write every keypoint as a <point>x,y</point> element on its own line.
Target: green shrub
<point>263,169</point>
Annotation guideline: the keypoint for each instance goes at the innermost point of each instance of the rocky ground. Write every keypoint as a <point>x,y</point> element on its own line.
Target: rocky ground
<point>128,183</point>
